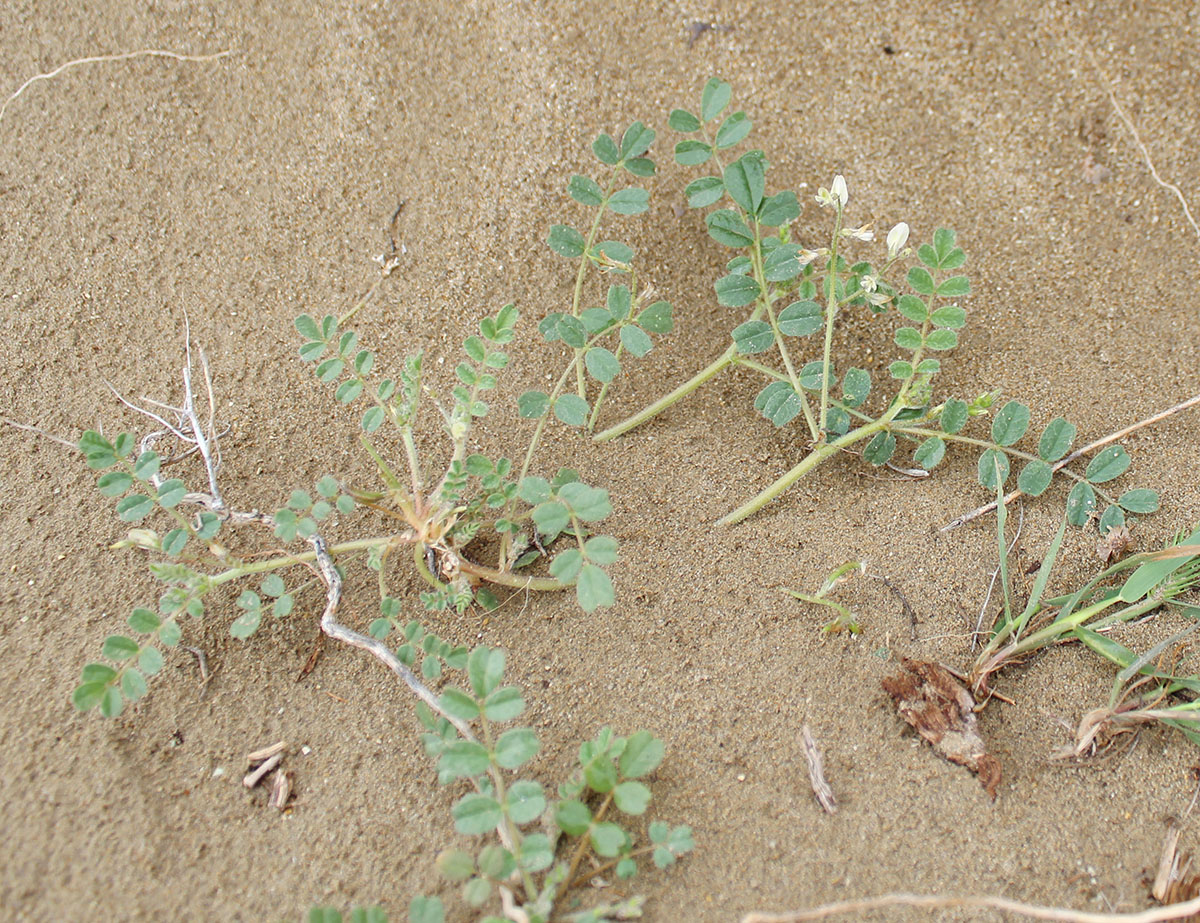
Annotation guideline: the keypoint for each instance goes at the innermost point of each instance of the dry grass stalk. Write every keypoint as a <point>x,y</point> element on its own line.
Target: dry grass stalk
<point>99,59</point>
<point>281,791</point>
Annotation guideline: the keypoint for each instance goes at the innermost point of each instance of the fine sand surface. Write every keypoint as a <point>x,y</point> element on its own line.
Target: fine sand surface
<point>245,190</point>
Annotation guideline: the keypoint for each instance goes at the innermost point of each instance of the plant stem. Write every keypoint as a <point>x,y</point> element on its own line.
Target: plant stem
<point>509,579</point>
<point>1078,453</point>
<point>577,297</point>
<point>714,368</point>
<point>510,835</point>
<point>831,310</point>
<point>761,278</point>
<point>259,567</point>
<point>814,458</point>
<point>581,849</point>
<point>633,300</point>
<point>1007,450</point>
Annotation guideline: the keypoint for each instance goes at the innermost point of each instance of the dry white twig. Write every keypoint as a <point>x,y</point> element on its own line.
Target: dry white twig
<point>98,59</point>
<point>816,772</point>
<point>930,902</point>
<point>40,432</point>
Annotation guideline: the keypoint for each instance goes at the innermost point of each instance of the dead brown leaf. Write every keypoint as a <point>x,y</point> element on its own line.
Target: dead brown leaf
<point>941,709</point>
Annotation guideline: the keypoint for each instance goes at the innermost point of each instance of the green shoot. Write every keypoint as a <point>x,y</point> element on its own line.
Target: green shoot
<point>530,849</point>
<point>541,530</point>
<point>845,620</point>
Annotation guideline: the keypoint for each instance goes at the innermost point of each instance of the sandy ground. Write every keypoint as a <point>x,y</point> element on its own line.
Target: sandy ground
<point>246,190</point>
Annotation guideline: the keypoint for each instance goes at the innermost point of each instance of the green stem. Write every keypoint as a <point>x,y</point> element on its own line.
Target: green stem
<point>847,618</point>
<point>511,834</point>
<point>260,567</point>
<point>831,310</point>
<point>577,297</point>
<point>811,461</point>
<point>760,277</point>
<point>509,579</point>
<point>714,368</point>
<point>580,851</point>
<point>1007,450</point>
<point>591,423</point>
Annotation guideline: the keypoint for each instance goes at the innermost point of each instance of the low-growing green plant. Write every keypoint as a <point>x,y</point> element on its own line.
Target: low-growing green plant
<point>536,848</point>
<point>473,502</point>
<point>818,287</point>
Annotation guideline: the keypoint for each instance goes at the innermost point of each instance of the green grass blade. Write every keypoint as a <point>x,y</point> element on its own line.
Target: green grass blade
<point>1039,584</point>
<point>1002,542</point>
<point>1147,658</point>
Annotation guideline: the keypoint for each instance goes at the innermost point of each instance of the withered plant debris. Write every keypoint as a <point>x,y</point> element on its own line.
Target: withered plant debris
<point>1174,882</point>
<point>1113,544</point>
<point>941,709</point>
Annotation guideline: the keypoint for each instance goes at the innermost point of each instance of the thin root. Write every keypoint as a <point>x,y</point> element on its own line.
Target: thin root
<point>125,56</point>
<point>930,902</point>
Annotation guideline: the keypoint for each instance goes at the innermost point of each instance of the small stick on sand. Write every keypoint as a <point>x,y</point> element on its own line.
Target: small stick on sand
<point>40,432</point>
<point>816,772</point>
<point>1090,447</point>
<point>255,777</point>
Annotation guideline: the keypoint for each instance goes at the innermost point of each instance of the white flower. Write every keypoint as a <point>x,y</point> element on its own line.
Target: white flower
<point>824,199</point>
<point>804,257</point>
<point>896,239</point>
<point>869,282</point>
<point>838,189</point>
<point>863,233</point>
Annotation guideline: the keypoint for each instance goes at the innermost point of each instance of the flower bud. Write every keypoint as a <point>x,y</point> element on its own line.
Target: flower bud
<point>838,189</point>
<point>896,239</point>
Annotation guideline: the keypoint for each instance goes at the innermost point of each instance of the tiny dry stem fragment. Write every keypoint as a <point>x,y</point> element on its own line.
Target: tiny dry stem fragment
<point>266,752</point>
<point>253,778</point>
<point>816,772</point>
<point>281,791</point>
